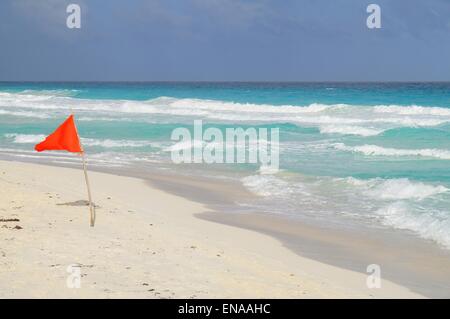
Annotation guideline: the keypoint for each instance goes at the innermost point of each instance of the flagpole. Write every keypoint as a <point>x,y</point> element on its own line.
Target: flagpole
<point>91,205</point>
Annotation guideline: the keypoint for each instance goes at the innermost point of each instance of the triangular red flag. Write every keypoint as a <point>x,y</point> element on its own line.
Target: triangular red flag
<point>65,138</point>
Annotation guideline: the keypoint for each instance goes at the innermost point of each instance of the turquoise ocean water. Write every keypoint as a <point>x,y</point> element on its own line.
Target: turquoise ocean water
<point>375,154</point>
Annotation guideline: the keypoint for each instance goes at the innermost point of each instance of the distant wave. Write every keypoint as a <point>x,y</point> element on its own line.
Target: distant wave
<point>349,130</point>
<point>412,110</point>
<point>25,138</point>
<point>105,143</point>
<point>185,145</point>
<point>374,150</point>
<point>38,115</point>
<point>330,119</point>
<point>108,143</point>
<point>106,158</point>
<point>245,145</point>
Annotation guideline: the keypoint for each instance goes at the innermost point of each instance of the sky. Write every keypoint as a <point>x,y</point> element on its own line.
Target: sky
<point>225,40</point>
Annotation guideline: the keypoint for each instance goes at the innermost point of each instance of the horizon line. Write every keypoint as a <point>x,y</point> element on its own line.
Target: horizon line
<point>222,81</point>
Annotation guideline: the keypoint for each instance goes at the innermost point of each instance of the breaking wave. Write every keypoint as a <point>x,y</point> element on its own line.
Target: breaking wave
<point>39,115</point>
<point>349,130</point>
<point>398,188</point>
<point>270,185</point>
<point>334,118</point>
<point>374,150</point>
<point>105,143</point>
<point>400,203</point>
<point>425,223</point>
<point>25,138</point>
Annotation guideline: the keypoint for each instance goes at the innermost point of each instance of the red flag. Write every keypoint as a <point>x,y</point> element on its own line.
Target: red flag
<point>65,138</point>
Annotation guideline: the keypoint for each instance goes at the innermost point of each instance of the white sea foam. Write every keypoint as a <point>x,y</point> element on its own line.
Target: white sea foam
<point>184,145</point>
<point>426,223</point>
<point>267,185</point>
<point>30,151</point>
<point>39,115</point>
<point>405,204</point>
<point>336,118</point>
<point>25,138</point>
<point>403,188</point>
<point>350,130</point>
<point>51,93</point>
<point>374,150</point>
<point>104,119</point>
<point>103,158</point>
<point>239,144</point>
<point>106,143</point>
<point>397,188</point>
<point>412,110</point>
<point>247,107</point>
<point>268,170</point>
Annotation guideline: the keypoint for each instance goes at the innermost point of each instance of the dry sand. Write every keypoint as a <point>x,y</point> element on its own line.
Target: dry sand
<point>146,244</point>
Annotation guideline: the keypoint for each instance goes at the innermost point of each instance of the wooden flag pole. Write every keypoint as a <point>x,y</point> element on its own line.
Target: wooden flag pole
<point>91,204</point>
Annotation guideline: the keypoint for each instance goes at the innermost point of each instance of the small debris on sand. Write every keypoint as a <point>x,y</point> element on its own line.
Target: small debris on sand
<point>78,203</point>
<point>7,220</point>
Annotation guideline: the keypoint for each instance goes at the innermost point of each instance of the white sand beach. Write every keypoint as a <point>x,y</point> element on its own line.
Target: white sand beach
<point>146,244</point>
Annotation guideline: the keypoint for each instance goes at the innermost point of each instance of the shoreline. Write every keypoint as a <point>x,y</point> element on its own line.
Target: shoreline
<point>168,249</point>
<point>424,269</point>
